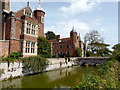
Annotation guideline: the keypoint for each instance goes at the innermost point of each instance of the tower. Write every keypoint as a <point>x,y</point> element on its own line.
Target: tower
<point>6,9</point>
<point>73,35</point>
<point>39,14</point>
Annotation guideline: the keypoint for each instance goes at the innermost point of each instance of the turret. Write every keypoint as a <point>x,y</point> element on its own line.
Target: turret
<point>73,35</point>
<point>58,37</point>
<point>39,15</point>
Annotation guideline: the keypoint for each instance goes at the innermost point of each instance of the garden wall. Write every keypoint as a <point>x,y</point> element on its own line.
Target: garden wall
<point>15,69</point>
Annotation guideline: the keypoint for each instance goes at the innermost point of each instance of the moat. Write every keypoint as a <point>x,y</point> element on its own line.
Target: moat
<point>62,78</point>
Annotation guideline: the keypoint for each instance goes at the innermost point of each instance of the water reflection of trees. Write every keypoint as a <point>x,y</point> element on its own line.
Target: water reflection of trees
<point>11,83</point>
<point>58,78</point>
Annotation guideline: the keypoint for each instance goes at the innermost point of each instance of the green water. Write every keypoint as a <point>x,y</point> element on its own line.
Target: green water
<point>68,77</point>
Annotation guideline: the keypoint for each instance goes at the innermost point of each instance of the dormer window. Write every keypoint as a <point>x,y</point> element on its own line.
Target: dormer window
<point>28,14</point>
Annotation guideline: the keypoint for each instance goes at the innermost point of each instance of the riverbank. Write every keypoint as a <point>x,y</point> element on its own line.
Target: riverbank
<point>106,77</point>
<point>16,69</point>
<point>60,78</point>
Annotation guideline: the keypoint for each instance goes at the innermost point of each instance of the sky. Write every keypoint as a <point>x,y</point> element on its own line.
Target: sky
<point>84,16</point>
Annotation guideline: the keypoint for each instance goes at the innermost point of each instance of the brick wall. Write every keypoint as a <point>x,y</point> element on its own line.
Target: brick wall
<point>4,48</point>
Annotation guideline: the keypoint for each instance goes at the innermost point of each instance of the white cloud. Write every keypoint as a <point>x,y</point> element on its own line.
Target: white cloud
<point>78,7</point>
<point>51,28</point>
<point>60,0</point>
<point>64,27</point>
<point>102,30</point>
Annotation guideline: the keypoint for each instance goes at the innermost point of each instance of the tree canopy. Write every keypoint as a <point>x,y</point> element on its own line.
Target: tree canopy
<point>93,37</point>
<point>50,35</point>
<point>116,52</point>
<point>95,45</point>
<point>44,47</point>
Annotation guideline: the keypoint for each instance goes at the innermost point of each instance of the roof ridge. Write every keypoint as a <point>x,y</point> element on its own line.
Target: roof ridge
<point>23,8</point>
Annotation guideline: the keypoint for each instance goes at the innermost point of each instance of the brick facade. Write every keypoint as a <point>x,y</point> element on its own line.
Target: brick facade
<point>21,29</point>
<point>4,48</point>
<point>66,46</point>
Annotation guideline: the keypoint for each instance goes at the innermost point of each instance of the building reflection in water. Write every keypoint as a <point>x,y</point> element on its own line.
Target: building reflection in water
<point>67,77</point>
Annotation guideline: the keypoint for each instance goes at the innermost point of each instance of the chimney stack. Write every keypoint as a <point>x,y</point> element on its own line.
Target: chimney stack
<point>58,37</point>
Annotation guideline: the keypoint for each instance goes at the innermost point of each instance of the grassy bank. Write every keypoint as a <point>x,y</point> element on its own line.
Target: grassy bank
<point>106,77</point>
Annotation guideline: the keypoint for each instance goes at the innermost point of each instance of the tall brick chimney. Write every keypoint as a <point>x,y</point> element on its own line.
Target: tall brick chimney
<point>58,37</point>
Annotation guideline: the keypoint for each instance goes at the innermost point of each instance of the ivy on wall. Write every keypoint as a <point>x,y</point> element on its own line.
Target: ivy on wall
<point>34,64</point>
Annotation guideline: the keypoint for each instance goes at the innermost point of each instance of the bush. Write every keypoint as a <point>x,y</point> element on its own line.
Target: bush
<point>88,53</point>
<point>116,52</point>
<point>99,80</point>
<point>15,55</point>
<point>116,56</point>
<point>34,64</point>
<point>92,81</point>
<point>11,58</point>
<point>44,47</point>
<point>78,52</point>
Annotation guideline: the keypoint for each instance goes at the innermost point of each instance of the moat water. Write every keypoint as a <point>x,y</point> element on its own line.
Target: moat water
<point>62,78</point>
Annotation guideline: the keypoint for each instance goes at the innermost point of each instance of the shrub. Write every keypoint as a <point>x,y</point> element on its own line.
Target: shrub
<point>78,52</point>
<point>44,47</point>
<point>34,64</point>
<point>116,52</point>
<point>15,55</point>
<point>99,80</point>
<point>88,53</point>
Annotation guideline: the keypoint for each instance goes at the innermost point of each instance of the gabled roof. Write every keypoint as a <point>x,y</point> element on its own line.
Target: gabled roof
<point>61,40</point>
<point>66,39</point>
<point>5,11</point>
<point>26,8</point>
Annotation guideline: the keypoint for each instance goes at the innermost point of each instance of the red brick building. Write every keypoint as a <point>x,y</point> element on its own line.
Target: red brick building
<point>20,30</point>
<point>66,46</point>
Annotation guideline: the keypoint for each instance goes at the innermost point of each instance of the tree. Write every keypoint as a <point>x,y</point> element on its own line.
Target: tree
<point>93,37</point>
<point>44,47</point>
<point>95,45</point>
<point>116,52</point>
<point>50,35</point>
<point>78,52</point>
<point>99,49</point>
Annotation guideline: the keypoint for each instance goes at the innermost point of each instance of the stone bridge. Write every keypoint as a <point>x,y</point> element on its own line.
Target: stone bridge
<point>92,61</point>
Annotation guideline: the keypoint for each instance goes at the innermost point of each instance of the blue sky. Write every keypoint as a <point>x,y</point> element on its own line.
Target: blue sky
<point>84,16</point>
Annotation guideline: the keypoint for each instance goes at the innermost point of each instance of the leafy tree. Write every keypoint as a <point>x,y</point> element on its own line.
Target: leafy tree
<point>78,52</point>
<point>95,45</point>
<point>116,52</point>
<point>50,35</point>
<point>93,37</point>
<point>44,47</point>
<point>88,53</point>
<point>100,49</point>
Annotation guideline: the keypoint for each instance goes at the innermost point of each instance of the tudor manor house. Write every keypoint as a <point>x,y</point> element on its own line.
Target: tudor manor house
<point>21,29</point>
